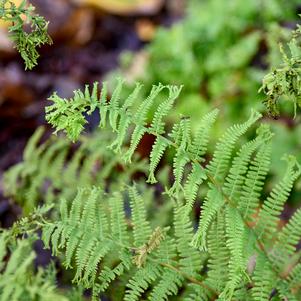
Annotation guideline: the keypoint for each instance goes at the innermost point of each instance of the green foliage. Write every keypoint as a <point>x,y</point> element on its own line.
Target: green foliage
<point>95,228</point>
<point>285,80</point>
<point>18,279</point>
<point>91,162</point>
<point>215,233</point>
<point>230,236</point>
<point>220,53</point>
<point>216,55</point>
<point>26,42</point>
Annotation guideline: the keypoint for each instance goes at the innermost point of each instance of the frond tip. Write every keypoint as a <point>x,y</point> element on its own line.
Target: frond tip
<point>25,42</point>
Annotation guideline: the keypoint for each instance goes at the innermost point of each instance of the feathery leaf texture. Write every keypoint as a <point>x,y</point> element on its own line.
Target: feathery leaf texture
<point>95,227</point>
<point>18,281</point>
<point>232,247</point>
<point>25,42</point>
<point>91,162</point>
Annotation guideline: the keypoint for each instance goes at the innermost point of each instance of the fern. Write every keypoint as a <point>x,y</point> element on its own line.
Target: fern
<point>18,281</point>
<point>89,163</point>
<point>180,135</point>
<point>87,246</point>
<point>109,233</point>
<point>273,206</point>
<point>233,191</point>
<point>25,42</point>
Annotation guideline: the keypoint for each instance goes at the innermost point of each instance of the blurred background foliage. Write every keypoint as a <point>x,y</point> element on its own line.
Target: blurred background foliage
<point>218,50</point>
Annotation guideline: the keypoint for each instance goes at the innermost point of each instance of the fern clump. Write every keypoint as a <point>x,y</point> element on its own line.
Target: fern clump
<point>234,252</point>
<point>207,228</point>
<point>26,43</point>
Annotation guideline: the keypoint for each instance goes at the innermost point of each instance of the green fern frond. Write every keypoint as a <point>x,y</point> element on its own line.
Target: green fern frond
<point>222,154</point>
<point>118,223</point>
<point>122,117</point>
<point>18,281</point>
<point>254,181</point>
<point>219,253</point>
<point>294,279</point>
<point>90,163</point>
<point>25,42</point>
<point>195,178</point>
<point>92,230</point>
<point>157,125</point>
<point>66,116</point>
<point>141,227</point>
<point>285,291</point>
<point>141,282</point>
<point>264,279</point>
<point>235,178</point>
<point>235,232</point>
<point>156,154</point>
<point>213,203</point>
<point>191,260</point>
<point>107,275</point>
<point>168,286</point>
<point>140,119</point>
<point>197,292</point>
<point>198,147</point>
<point>233,186</point>
<point>124,121</point>
<point>272,207</point>
<point>288,238</point>
<point>114,105</point>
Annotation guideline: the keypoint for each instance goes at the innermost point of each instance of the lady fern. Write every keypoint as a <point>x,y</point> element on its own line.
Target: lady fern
<point>108,232</point>
<point>229,236</point>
